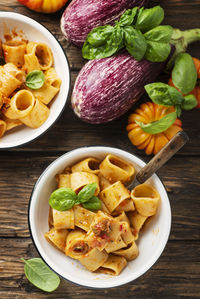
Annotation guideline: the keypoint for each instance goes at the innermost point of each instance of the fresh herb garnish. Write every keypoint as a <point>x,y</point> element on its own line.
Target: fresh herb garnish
<point>87,192</point>
<point>39,274</point>
<point>184,74</point>
<point>163,94</point>
<point>63,199</point>
<point>137,30</point>
<point>35,79</point>
<point>149,18</point>
<point>166,95</point>
<point>160,125</point>
<point>93,204</point>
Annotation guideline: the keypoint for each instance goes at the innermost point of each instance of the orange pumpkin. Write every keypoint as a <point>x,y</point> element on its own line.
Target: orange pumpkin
<point>147,113</point>
<point>44,6</point>
<point>196,90</point>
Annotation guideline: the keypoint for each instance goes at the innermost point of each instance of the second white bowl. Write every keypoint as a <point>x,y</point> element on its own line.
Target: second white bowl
<point>37,33</point>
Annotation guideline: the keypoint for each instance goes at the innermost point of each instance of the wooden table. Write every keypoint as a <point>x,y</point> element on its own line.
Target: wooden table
<point>176,274</point>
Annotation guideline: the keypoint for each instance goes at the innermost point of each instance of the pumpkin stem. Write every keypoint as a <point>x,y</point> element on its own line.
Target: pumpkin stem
<point>181,40</point>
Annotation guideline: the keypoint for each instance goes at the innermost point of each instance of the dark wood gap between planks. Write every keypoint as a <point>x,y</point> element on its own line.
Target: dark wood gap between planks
<point>169,240</point>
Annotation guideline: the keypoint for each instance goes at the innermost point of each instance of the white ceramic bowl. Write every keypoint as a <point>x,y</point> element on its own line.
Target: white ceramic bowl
<point>151,242</point>
<point>38,33</point>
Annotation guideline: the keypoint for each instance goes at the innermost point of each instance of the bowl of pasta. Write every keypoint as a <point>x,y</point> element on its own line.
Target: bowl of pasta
<point>89,227</point>
<point>34,79</point>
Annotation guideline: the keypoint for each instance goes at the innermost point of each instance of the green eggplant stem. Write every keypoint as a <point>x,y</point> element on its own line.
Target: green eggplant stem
<point>181,40</point>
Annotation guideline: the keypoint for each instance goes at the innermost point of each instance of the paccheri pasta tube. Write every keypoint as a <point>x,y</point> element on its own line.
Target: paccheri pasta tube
<point>57,237</point>
<point>146,199</point>
<point>76,246</point>
<point>14,52</point>
<point>103,240</point>
<point>39,57</point>
<point>21,105</point>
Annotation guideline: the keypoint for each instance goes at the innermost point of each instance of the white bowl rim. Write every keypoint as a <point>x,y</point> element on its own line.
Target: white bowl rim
<point>30,21</point>
<point>117,151</point>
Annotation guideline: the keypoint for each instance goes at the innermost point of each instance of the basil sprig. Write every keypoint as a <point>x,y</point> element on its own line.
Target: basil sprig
<point>39,274</point>
<point>138,30</point>
<point>184,74</point>
<point>35,79</point>
<point>163,94</point>
<point>63,199</point>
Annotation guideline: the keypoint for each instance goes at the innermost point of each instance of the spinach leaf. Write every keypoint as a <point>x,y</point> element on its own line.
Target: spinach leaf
<point>163,94</point>
<point>157,52</point>
<point>189,102</point>
<point>149,18</point>
<point>160,125</point>
<point>62,199</point>
<point>35,79</point>
<point>107,47</point>
<point>39,274</point>
<point>128,17</point>
<point>159,34</point>
<point>93,204</point>
<point>135,42</point>
<point>184,74</point>
<point>87,192</point>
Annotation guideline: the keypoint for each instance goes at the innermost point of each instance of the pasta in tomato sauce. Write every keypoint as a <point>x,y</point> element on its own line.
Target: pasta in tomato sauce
<point>20,103</point>
<point>102,240</point>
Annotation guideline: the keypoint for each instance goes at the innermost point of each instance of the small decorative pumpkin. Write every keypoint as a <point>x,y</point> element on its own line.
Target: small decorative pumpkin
<point>148,113</point>
<point>44,6</point>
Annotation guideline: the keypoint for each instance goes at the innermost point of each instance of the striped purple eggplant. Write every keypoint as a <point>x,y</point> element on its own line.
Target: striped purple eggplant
<point>81,16</point>
<point>107,88</point>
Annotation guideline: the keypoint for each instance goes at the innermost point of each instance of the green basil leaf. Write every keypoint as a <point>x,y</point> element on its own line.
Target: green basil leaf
<point>87,192</point>
<point>157,52</point>
<point>62,199</point>
<point>147,19</point>
<point>135,42</point>
<point>160,125</point>
<point>39,274</point>
<point>163,94</point>
<point>35,79</point>
<point>98,36</point>
<point>159,34</point>
<point>184,74</point>
<point>93,204</point>
<point>112,44</point>
<point>128,17</point>
<point>189,103</point>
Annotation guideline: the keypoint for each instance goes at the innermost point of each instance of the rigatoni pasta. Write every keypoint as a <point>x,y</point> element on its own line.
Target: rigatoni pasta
<point>102,239</point>
<point>21,102</point>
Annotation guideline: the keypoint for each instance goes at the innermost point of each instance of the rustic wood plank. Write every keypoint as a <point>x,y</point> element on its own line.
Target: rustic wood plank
<point>177,273</point>
<point>18,178</point>
<point>164,280</point>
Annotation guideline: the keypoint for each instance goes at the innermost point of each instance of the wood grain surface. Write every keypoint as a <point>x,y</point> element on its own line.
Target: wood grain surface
<point>177,273</point>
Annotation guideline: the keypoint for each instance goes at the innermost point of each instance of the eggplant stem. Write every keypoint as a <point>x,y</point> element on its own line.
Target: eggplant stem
<point>181,40</point>
<point>191,36</point>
